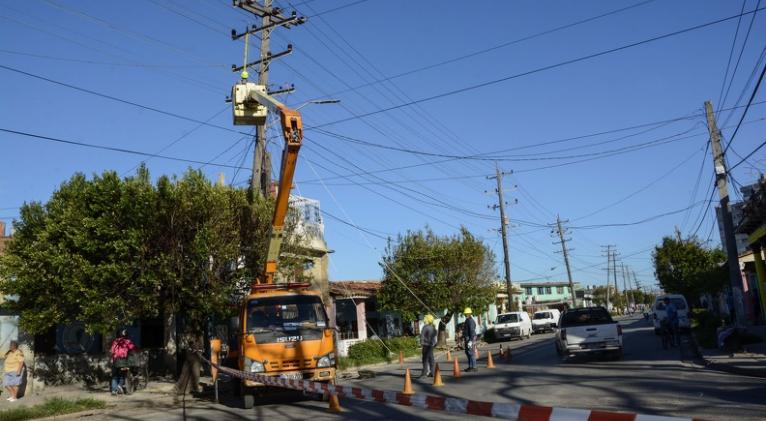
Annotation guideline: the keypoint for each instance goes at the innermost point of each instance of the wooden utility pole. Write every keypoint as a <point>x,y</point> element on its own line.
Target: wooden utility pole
<point>719,162</point>
<point>504,231</point>
<point>271,18</point>
<point>565,252</point>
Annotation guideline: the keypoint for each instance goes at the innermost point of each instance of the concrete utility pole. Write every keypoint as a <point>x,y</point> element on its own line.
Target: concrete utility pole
<point>719,162</point>
<point>626,286</point>
<point>614,273</point>
<point>565,252</point>
<point>503,223</point>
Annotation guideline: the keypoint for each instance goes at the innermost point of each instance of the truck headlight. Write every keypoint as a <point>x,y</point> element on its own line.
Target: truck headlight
<point>326,360</point>
<point>257,367</point>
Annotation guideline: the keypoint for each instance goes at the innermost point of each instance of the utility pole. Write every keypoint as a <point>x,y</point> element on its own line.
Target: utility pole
<point>627,287</point>
<point>608,273</point>
<point>271,18</point>
<point>614,273</point>
<point>503,223</point>
<point>565,252</point>
<point>719,162</point>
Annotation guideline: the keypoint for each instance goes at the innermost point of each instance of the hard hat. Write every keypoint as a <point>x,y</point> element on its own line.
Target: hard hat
<point>467,311</point>
<point>429,319</point>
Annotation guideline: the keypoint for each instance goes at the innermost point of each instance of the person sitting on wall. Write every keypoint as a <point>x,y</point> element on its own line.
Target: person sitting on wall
<point>13,367</point>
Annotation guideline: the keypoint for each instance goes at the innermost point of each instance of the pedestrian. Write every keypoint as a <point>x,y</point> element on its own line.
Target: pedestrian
<point>427,343</point>
<point>469,338</point>
<point>13,368</point>
<point>671,315</point>
<point>121,346</point>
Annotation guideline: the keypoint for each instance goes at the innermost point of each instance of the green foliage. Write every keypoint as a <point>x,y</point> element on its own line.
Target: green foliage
<point>50,408</point>
<point>373,351</point>
<point>450,272</point>
<point>688,267</point>
<point>705,325</point>
<point>108,251</point>
<point>619,299</point>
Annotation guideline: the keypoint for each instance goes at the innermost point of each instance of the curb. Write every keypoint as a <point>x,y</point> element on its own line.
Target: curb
<point>726,368</point>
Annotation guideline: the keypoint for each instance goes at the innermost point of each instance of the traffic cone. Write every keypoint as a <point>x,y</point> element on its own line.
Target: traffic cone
<point>490,363</point>
<point>455,368</point>
<point>407,383</point>
<point>449,356</point>
<point>401,357</point>
<point>334,404</point>
<point>437,376</point>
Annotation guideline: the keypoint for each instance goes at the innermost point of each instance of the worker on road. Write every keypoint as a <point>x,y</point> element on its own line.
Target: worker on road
<point>469,338</point>
<point>427,342</point>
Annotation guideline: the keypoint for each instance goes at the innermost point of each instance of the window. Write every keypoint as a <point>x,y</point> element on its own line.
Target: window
<point>540,290</point>
<point>507,318</point>
<point>528,290</point>
<point>560,290</point>
<point>548,290</point>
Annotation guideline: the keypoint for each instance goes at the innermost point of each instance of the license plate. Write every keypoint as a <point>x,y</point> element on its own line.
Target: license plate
<point>291,376</point>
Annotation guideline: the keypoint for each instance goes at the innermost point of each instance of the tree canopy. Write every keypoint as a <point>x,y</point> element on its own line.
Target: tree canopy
<point>445,272</point>
<point>688,267</point>
<point>107,251</point>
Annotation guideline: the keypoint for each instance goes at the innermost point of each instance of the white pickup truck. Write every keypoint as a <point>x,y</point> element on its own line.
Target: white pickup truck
<point>588,330</point>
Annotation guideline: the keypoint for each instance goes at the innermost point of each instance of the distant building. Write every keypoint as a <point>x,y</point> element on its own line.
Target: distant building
<point>9,323</point>
<point>541,295</point>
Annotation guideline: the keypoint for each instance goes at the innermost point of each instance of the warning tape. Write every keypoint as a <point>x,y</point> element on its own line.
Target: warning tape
<point>508,411</point>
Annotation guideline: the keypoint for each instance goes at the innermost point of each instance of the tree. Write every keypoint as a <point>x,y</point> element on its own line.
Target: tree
<point>688,267</point>
<point>445,273</point>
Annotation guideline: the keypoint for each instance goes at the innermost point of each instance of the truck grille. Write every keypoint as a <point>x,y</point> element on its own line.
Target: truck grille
<point>290,364</point>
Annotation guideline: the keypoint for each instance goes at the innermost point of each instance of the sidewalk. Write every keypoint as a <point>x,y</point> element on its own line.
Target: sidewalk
<point>752,362</point>
<point>156,394</point>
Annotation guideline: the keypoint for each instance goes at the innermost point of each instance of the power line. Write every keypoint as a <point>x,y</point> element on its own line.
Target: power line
<point>748,156</point>
<point>533,71</point>
<point>642,221</point>
<point>114,149</point>
<point>744,113</point>
<point>742,50</point>
<point>731,53</point>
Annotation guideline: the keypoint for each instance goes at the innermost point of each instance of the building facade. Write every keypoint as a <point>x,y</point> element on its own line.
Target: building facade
<point>541,295</point>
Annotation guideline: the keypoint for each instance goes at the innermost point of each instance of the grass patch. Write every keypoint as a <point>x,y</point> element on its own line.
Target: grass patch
<point>372,351</point>
<point>51,407</point>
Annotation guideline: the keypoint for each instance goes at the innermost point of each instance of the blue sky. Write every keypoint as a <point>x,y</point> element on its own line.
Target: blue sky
<point>176,56</point>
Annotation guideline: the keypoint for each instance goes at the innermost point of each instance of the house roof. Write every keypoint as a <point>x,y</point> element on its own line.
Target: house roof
<point>546,284</point>
<point>364,288</point>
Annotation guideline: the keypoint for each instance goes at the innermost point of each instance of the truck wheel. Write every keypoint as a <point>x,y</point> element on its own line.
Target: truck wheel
<point>248,400</point>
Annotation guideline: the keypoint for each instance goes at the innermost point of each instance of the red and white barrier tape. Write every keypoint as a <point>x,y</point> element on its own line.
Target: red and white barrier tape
<point>508,411</point>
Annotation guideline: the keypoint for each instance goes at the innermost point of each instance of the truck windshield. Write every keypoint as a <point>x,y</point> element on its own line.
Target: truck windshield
<point>584,317</point>
<point>285,313</point>
<point>543,316</point>
<point>507,318</point>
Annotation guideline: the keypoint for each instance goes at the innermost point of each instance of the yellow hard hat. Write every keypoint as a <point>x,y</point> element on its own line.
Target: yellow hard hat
<point>467,311</point>
<point>429,319</point>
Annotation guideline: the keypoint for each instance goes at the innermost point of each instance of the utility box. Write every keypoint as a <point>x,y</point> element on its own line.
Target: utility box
<point>245,109</point>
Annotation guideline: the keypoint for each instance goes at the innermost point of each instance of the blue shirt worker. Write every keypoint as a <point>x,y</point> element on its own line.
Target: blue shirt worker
<point>469,338</point>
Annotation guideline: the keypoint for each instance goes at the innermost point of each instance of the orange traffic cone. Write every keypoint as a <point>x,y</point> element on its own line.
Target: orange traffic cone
<point>407,383</point>
<point>490,363</point>
<point>334,404</point>
<point>437,376</point>
<point>455,368</point>
<point>401,357</point>
<point>449,356</point>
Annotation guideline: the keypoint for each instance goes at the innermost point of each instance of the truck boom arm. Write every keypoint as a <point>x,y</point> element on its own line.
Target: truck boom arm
<point>250,96</point>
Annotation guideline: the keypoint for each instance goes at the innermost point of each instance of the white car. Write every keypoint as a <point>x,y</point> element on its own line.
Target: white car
<point>513,325</point>
<point>588,330</point>
<point>545,320</point>
<point>683,311</point>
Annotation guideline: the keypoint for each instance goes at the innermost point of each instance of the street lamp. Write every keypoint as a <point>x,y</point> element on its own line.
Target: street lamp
<point>318,101</point>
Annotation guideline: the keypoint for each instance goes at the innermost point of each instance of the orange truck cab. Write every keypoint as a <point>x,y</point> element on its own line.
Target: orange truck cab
<point>285,332</point>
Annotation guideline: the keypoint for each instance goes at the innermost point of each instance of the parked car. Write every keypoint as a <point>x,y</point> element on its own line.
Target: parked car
<point>683,311</point>
<point>545,320</point>
<point>513,325</point>
<point>588,330</point>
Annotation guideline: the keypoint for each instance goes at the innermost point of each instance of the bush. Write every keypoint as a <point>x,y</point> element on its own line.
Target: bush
<point>373,351</point>
<point>705,325</point>
<point>51,407</point>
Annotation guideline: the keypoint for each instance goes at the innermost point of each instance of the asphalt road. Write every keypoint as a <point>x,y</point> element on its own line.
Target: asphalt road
<point>648,380</point>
